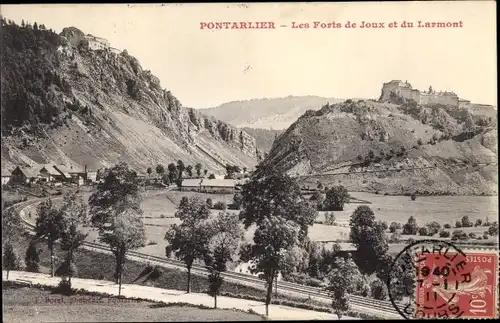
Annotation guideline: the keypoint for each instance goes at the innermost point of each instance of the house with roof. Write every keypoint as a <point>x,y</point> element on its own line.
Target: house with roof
<point>65,175</point>
<point>23,175</point>
<point>48,173</point>
<point>5,176</point>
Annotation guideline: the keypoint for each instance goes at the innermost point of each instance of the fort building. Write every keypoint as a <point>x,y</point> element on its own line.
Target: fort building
<point>403,90</point>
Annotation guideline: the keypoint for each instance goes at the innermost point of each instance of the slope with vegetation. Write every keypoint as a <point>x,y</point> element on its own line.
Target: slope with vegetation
<point>394,148</point>
<point>64,103</point>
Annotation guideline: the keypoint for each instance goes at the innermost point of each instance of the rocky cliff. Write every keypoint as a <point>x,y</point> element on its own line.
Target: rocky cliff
<point>64,103</point>
<point>395,149</point>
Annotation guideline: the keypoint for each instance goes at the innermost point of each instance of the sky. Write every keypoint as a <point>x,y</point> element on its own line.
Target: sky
<point>204,68</point>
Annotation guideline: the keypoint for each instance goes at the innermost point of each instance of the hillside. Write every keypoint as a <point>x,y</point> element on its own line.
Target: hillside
<point>456,148</point>
<point>264,138</point>
<point>67,104</point>
<point>277,113</point>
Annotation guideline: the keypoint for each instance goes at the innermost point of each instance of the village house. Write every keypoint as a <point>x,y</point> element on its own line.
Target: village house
<point>91,176</point>
<point>5,176</point>
<point>23,175</point>
<point>49,173</point>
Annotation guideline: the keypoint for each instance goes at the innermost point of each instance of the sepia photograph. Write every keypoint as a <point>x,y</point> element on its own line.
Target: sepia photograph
<point>192,162</point>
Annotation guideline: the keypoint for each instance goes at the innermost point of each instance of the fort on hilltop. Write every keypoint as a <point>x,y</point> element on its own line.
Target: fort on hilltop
<point>397,90</point>
<point>76,37</point>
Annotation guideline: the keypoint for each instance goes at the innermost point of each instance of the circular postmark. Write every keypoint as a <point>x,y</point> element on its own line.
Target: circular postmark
<point>426,278</point>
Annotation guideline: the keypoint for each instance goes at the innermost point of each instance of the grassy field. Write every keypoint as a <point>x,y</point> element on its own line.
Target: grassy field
<point>160,206</point>
<point>25,304</point>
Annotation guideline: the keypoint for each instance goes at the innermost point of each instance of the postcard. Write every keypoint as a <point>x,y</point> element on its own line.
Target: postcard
<point>249,161</point>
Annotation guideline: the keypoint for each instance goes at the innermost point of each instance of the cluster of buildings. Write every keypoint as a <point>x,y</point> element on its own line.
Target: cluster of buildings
<point>404,90</point>
<point>49,173</point>
<point>204,185</point>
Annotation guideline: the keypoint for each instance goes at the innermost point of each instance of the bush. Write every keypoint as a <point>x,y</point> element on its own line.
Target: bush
<point>458,224</point>
<point>162,216</point>
<point>493,229</point>
<point>378,290</point>
<point>210,203</point>
<point>335,198</point>
<point>478,223</point>
<point>472,235</point>
<point>459,235</point>
<point>211,176</point>
<point>220,205</point>
<point>423,231</point>
<point>384,225</point>
<point>433,228</point>
<point>444,234</point>
<point>237,200</point>
<point>485,237</point>
<point>479,238</point>
<point>394,227</point>
<point>466,223</point>
<point>410,227</point>
<point>447,226</point>
<point>395,237</point>
<point>64,287</point>
<point>329,218</point>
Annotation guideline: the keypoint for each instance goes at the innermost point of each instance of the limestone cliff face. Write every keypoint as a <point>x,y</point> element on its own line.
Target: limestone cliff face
<point>96,108</point>
<point>398,149</point>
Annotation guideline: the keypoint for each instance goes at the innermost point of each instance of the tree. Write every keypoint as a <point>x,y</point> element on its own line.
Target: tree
<point>378,290</point>
<point>335,198</point>
<point>180,168</point>
<point>74,211</point>
<point>210,203</point>
<point>49,225</point>
<point>342,282</point>
<point>149,171</point>
<point>227,234</point>
<point>272,238</point>
<point>212,176</point>
<point>32,258</point>
<point>433,228</point>
<point>189,170</point>
<point>423,231</point>
<point>198,168</point>
<point>369,239</point>
<point>245,169</point>
<point>237,200</point>
<point>172,173</point>
<point>10,259</point>
<point>190,239</point>
<point>229,171</point>
<point>319,198</point>
<point>466,223</point>
<point>116,213</point>
<point>270,193</point>
<point>478,223</point>
<point>394,227</point>
<point>493,229</point>
<point>410,227</point>
<point>11,225</point>
<point>205,172</point>
<point>159,170</point>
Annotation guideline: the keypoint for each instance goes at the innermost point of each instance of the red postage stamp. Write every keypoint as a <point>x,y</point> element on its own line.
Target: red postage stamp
<point>457,284</point>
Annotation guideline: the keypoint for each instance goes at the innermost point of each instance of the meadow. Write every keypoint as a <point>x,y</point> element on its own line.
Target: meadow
<point>160,206</point>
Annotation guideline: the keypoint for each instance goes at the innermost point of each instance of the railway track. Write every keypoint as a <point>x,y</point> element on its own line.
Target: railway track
<point>363,304</point>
